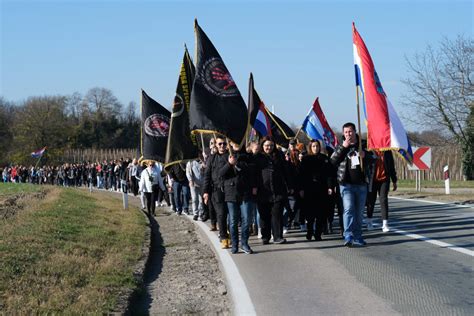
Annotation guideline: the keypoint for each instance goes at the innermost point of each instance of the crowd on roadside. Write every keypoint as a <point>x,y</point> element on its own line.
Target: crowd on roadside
<point>104,175</point>
<point>263,189</point>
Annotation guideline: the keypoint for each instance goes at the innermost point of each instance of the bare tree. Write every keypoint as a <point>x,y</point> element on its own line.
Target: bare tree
<point>103,102</point>
<point>441,92</point>
<point>41,121</point>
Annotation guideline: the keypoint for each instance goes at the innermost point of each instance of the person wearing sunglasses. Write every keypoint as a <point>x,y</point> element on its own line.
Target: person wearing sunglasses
<point>214,188</point>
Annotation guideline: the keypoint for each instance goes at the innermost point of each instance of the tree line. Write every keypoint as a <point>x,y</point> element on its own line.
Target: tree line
<point>440,97</point>
<point>94,120</point>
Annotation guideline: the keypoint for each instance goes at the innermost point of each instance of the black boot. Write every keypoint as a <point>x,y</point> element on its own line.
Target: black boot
<point>317,236</point>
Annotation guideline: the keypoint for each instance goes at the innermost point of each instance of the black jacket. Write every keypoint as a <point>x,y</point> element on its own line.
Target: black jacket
<point>178,173</point>
<point>273,177</point>
<point>239,180</point>
<point>340,160</point>
<point>213,181</point>
<point>315,173</point>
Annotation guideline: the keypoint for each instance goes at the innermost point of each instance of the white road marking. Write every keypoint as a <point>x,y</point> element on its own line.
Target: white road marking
<point>431,202</point>
<point>435,242</point>
<point>430,240</point>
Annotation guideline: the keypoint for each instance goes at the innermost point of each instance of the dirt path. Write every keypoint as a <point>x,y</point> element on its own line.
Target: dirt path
<point>182,275</point>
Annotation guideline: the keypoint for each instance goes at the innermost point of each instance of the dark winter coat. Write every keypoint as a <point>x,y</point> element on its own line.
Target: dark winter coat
<point>341,160</point>
<point>273,178</point>
<point>315,173</point>
<point>178,173</point>
<point>213,181</point>
<point>239,179</point>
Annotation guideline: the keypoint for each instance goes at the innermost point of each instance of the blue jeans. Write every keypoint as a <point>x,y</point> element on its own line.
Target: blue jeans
<point>181,196</point>
<point>353,198</point>
<point>254,216</point>
<point>239,211</point>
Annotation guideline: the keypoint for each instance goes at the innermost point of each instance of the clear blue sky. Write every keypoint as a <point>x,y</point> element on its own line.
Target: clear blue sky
<point>297,50</point>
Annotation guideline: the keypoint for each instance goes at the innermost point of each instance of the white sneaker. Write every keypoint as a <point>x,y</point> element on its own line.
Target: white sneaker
<point>285,231</point>
<point>385,229</point>
<point>259,234</point>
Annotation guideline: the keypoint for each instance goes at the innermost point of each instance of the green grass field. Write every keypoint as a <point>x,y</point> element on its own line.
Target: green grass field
<point>71,252</point>
<point>436,184</point>
<point>12,188</point>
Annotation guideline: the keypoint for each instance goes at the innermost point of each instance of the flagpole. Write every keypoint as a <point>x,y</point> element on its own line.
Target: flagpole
<point>202,142</point>
<point>195,40</point>
<point>298,132</point>
<point>358,127</point>
<point>141,123</point>
<point>36,166</point>
<point>301,127</point>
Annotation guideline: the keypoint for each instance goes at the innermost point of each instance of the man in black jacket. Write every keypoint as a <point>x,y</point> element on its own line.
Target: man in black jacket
<point>213,186</point>
<point>238,176</point>
<point>352,180</point>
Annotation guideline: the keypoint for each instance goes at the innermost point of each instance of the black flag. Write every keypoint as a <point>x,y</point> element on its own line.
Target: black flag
<point>281,132</point>
<point>181,144</point>
<point>265,122</point>
<point>155,129</point>
<point>216,103</point>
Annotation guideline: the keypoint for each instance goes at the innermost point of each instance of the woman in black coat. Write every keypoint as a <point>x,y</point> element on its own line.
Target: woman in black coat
<point>315,188</point>
<point>273,186</point>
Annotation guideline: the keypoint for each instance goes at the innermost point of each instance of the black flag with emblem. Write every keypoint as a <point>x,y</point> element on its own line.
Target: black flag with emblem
<point>182,145</point>
<point>216,103</point>
<point>281,132</point>
<point>155,129</point>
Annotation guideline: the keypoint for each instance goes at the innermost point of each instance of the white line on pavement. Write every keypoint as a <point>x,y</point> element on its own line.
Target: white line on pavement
<point>436,242</point>
<point>240,296</point>
<point>431,202</point>
<point>430,240</point>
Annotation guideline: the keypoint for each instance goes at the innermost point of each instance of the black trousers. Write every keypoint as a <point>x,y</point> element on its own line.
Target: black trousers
<point>163,195</point>
<point>316,206</point>
<point>150,203</point>
<point>220,207</point>
<point>134,185</point>
<point>271,219</point>
<point>210,211</point>
<point>382,189</point>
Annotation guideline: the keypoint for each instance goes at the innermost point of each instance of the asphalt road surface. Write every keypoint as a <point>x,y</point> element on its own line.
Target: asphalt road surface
<point>424,266</point>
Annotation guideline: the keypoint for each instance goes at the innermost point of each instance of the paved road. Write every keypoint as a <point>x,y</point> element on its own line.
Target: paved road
<point>415,270</point>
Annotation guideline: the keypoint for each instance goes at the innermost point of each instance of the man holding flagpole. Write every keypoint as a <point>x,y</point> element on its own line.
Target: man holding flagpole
<point>352,180</point>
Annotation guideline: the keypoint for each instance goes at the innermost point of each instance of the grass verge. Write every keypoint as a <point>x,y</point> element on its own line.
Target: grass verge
<point>435,184</point>
<point>7,189</point>
<point>71,253</point>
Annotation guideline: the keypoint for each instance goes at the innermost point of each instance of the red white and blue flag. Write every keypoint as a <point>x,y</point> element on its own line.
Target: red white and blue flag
<point>262,121</point>
<point>316,126</point>
<point>38,153</point>
<point>258,115</point>
<point>385,131</point>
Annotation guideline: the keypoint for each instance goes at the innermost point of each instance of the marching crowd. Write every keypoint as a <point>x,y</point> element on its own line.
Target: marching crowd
<point>261,188</point>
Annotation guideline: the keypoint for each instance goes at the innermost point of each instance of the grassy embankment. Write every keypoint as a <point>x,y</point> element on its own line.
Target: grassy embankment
<point>70,252</point>
<point>436,184</point>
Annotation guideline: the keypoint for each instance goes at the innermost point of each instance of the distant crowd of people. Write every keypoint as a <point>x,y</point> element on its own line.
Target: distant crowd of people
<point>262,189</point>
